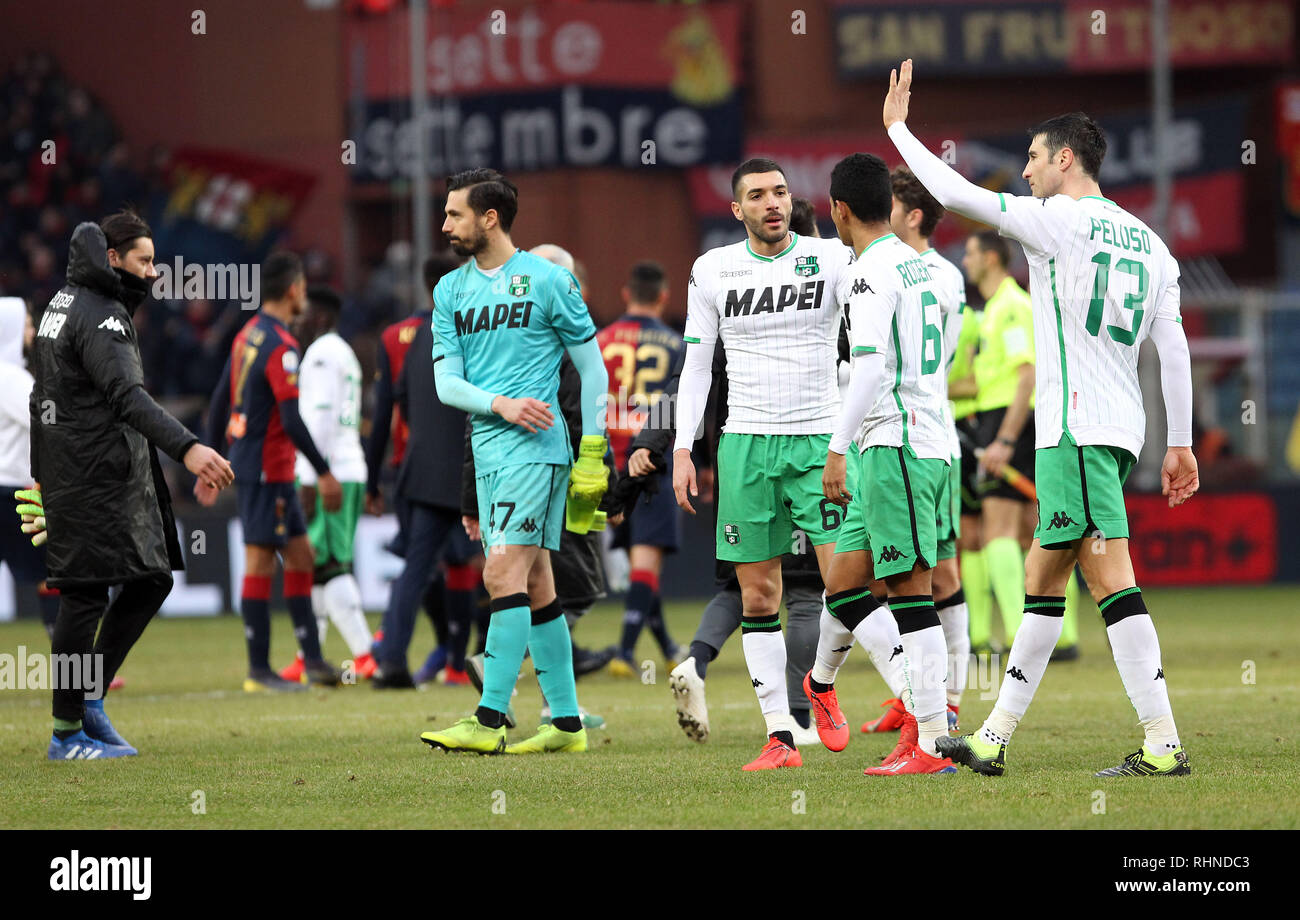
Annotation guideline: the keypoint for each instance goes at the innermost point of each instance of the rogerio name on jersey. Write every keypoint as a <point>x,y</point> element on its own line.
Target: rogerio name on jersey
<point>489,317</point>
<point>808,296</point>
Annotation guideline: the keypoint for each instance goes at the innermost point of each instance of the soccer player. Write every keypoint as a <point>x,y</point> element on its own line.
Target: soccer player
<point>1101,282</point>
<point>1004,424</point>
<point>255,407</point>
<point>640,351</point>
<point>771,301</point>
<point>895,412</point>
<point>502,323</point>
<point>329,397</point>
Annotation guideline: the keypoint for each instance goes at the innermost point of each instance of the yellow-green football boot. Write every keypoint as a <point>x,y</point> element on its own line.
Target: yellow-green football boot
<point>551,740</point>
<point>470,736</point>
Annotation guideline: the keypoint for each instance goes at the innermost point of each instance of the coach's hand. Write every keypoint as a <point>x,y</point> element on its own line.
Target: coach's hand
<point>1179,475</point>
<point>331,493</point>
<point>528,413</point>
<point>684,479</point>
<point>900,90</point>
<point>640,464</point>
<point>209,466</point>
<point>471,527</point>
<point>835,479</point>
<point>375,504</point>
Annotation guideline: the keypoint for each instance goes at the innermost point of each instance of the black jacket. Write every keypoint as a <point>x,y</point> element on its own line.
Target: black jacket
<point>431,468</point>
<point>94,428</point>
<point>577,567</point>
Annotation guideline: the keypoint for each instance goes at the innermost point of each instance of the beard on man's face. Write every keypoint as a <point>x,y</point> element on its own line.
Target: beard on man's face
<point>469,246</point>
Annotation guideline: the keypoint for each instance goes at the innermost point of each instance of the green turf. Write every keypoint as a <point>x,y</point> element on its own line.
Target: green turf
<point>352,758</point>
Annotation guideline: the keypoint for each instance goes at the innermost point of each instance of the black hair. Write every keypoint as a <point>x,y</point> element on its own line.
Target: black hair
<point>646,282</point>
<point>326,298</point>
<point>989,241</point>
<point>1078,132</point>
<point>122,229</point>
<point>437,265</point>
<point>488,191</point>
<point>909,190</point>
<point>280,271</point>
<point>750,166</point>
<point>803,217</point>
<point>861,181</point>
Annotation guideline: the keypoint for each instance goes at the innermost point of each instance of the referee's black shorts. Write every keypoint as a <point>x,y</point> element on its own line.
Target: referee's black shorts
<point>1022,455</point>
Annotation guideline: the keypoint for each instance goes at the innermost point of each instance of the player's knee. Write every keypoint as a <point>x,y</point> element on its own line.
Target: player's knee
<point>760,600</point>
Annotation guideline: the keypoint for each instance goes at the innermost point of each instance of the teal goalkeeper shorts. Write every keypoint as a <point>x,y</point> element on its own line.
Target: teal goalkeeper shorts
<point>522,505</point>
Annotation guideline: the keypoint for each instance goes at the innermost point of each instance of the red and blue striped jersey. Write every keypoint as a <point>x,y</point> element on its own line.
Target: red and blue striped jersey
<point>263,372</point>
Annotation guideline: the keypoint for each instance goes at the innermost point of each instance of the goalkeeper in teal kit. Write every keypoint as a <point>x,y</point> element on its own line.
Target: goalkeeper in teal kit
<point>501,324</point>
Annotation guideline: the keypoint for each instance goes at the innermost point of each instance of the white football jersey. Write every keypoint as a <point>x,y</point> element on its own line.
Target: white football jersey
<point>778,319</point>
<point>950,286</point>
<point>1099,278</point>
<point>894,308</point>
<point>329,400</point>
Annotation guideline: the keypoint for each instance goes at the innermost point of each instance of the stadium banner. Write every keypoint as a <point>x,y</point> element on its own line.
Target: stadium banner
<point>1214,539</point>
<point>219,207</point>
<point>601,84</point>
<point>998,37</point>
<point>1206,210</point>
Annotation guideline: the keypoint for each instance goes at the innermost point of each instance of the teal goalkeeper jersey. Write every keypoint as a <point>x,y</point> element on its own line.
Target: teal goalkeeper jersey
<point>511,329</point>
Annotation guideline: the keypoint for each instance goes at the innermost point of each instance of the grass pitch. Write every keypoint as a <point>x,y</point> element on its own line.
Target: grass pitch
<point>214,757</point>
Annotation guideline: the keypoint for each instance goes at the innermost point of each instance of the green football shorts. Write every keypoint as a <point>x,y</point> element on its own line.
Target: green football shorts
<point>332,532</point>
<point>898,502</point>
<point>522,505</point>
<point>769,485</point>
<point>948,525</point>
<point>1080,492</point>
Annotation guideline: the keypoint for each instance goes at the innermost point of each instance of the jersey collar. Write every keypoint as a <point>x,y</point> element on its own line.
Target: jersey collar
<point>879,239</point>
<point>1099,198</point>
<point>794,239</point>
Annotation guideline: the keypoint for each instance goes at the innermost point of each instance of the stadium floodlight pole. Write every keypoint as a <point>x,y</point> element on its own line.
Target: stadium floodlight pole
<point>421,225</point>
<point>1162,186</point>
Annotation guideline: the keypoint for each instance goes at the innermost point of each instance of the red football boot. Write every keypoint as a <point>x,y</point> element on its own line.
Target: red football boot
<point>907,738</point>
<point>775,754</point>
<point>914,760</point>
<point>293,672</point>
<point>832,727</point>
<point>891,721</point>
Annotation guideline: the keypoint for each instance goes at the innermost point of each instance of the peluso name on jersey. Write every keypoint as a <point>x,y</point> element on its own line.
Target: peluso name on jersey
<point>489,317</point>
<point>807,296</point>
<point>1121,235</point>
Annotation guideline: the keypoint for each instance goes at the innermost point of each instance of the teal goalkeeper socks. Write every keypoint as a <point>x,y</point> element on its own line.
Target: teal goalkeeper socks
<point>507,638</point>
<point>552,651</point>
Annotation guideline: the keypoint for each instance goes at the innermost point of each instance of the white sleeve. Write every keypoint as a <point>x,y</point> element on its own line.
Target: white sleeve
<point>1175,360</point>
<point>952,320</point>
<point>318,404</point>
<point>14,396</point>
<point>864,385</point>
<point>1175,378</point>
<point>701,307</point>
<point>947,185</point>
<point>1036,223</point>
<point>869,300</point>
<point>693,392</point>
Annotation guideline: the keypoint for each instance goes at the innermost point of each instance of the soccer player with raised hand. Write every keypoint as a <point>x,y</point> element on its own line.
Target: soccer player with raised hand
<point>771,302</point>
<point>502,322</point>
<point>895,413</point>
<point>1101,282</point>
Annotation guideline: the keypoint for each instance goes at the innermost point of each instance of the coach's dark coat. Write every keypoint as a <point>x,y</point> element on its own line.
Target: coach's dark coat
<point>107,510</point>
<point>431,469</point>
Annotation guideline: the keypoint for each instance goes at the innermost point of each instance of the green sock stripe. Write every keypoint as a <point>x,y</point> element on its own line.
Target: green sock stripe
<point>63,725</point>
<point>762,624</point>
<point>1036,604</point>
<point>907,604</point>
<point>833,605</point>
<point>1106,602</point>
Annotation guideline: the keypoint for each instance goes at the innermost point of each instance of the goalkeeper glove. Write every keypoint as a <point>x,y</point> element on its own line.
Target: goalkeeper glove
<point>32,511</point>
<point>588,481</point>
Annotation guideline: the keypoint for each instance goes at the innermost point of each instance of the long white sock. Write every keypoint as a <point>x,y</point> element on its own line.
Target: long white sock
<point>1026,662</point>
<point>318,608</point>
<point>833,645</point>
<point>1136,648</point>
<point>925,659</point>
<point>343,601</point>
<point>878,634</point>
<point>765,657</point>
<point>955,620</point>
